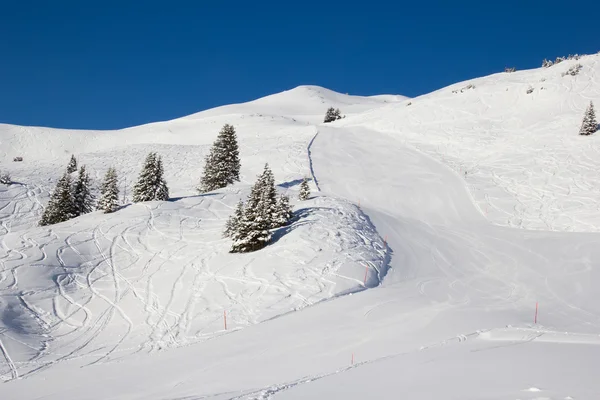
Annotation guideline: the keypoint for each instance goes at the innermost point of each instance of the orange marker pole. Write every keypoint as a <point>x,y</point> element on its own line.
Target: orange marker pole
<point>225,318</point>
<point>366,271</point>
<point>536,312</point>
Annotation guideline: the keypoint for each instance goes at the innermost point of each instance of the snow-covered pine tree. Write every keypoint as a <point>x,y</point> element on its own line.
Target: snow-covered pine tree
<point>162,190</point>
<point>304,190</point>
<point>589,124</point>
<point>109,198</point>
<point>82,195</point>
<point>253,232</point>
<point>331,115</point>
<point>222,165</point>
<point>151,184</point>
<point>270,195</point>
<point>72,166</point>
<point>233,223</point>
<point>284,213</point>
<point>61,206</point>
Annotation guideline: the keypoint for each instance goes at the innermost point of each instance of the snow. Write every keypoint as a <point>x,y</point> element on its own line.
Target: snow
<point>130,305</point>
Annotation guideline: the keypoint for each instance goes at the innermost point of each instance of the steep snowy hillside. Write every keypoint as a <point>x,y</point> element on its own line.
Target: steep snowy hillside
<point>513,137</point>
<point>468,309</point>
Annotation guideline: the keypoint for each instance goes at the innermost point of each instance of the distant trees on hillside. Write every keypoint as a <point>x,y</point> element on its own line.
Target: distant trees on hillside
<point>151,184</point>
<point>251,223</point>
<point>222,165</point>
<point>332,114</point>
<point>589,125</point>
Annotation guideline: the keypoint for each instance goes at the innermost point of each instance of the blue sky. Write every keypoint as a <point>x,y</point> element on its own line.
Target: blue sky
<point>112,64</point>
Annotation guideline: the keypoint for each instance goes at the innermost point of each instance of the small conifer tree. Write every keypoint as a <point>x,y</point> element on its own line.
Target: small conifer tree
<point>283,214</point>
<point>233,223</point>
<point>304,190</point>
<point>109,198</point>
<point>589,125</point>
<point>222,165</point>
<point>151,184</point>
<point>61,206</point>
<point>5,178</point>
<point>332,114</point>
<point>82,195</point>
<point>72,166</point>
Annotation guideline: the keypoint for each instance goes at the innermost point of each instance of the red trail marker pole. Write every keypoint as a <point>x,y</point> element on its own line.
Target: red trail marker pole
<point>225,318</point>
<point>536,312</point>
<point>366,271</point>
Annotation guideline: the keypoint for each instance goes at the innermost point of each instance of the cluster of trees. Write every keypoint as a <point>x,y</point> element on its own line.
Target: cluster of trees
<point>73,197</point>
<point>549,63</point>
<point>589,125</point>
<point>250,226</point>
<point>332,114</point>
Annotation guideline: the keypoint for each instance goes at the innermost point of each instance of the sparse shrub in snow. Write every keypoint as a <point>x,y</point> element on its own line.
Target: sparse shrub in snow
<point>151,184</point>
<point>469,86</point>
<point>250,225</point>
<point>409,104</point>
<point>82,195</point>
<point>574,70</point>
<point>509,69</point>
<point>109,193</point>
<point>5,178</point>
<point>222,165</point>
<point>304,190</point>
<point>61,206</point>
<point>72,166</point>
<point>529,90</point>
<point>547,63</point>
<point>589,124</point>
<point>332,115</point>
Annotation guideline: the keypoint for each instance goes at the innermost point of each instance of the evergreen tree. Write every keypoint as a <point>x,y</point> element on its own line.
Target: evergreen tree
<point>162,191</point>
<point>283,214</point>
<point>233,223</point>
<point>82,196</point>
<point>589,125</point>
<point>253,231</point>
<point>304,190</point>
<point>72,167</point>
<point>109,198</point>
<point>151,184</point>
<point>332,114</point>
<point>222,165</point>
<point>61,206</point>
<point>267,180</point>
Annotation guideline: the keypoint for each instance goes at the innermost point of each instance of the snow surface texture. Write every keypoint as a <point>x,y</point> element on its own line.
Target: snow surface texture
<point>453,317</point>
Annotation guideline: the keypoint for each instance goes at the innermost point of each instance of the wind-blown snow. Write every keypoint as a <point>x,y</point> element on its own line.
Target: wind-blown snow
<point>469,255</point>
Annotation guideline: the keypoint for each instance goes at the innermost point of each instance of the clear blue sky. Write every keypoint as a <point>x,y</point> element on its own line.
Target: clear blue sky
<point>111,64</point>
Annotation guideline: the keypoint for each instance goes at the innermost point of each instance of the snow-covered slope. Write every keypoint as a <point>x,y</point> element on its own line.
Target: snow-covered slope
<point>454,317</point>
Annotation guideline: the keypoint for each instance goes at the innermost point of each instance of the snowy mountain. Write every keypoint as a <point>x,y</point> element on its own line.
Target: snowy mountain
<point>469,214</point>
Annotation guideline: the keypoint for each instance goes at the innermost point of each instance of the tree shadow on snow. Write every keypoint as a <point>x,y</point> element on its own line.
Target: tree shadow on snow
<point>289,184</point>
<point>297,221</point>
<point>173,199</point>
